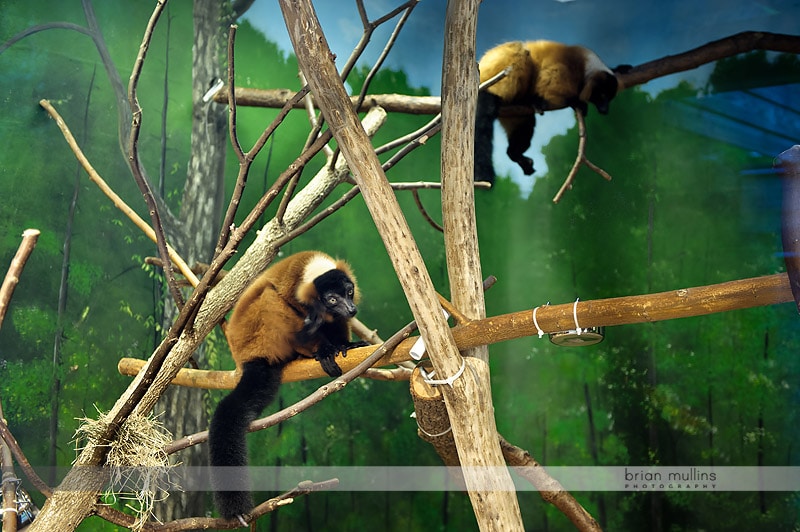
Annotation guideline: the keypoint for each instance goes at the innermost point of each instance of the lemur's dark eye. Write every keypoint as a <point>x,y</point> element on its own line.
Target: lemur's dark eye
<point>331,300</point>
<point>350,293</point>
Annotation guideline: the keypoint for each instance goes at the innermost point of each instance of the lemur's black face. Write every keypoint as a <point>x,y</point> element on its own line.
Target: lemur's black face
<point>336,292</point>
<point>603,91</point>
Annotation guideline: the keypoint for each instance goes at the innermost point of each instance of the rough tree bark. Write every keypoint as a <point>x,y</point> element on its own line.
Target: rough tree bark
<point>471,415</point>
<point>198,224</point>
<point>316,62</point>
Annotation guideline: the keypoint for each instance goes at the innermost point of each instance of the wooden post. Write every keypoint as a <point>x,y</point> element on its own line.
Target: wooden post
<point>471,414</point>
<point>463,394</point>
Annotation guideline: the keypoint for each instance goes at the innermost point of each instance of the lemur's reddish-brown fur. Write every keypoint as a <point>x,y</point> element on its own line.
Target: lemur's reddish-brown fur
<point>269,313</point>
<point>301,306</point>
<point>545,75</point>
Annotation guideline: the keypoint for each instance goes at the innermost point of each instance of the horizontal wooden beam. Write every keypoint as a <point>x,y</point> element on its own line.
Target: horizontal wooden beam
<point>682,303</point>
<point>277,98</point>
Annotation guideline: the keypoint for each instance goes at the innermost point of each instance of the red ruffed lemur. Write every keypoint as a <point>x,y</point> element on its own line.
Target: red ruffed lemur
<point>545,75</point>
<point>299,307</point>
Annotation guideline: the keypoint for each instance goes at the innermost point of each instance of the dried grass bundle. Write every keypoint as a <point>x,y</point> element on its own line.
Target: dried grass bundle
<point>139,467</point>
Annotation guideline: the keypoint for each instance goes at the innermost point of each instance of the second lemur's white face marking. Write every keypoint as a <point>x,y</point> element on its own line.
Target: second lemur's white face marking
<point>316,267</point>
<point>594,64</point>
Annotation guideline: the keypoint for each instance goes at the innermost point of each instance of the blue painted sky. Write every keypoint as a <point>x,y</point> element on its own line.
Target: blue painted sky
<point>620,31</point>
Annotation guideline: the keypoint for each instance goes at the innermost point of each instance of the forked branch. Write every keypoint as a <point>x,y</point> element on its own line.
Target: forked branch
<point>580,159</point>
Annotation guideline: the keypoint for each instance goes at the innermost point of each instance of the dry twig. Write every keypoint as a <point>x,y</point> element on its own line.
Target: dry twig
<point>29,238</point>
<point>218,523</point>
<point>549,488</point>
<point>22,460</point>
<point>135,162</point>
<point>580,159</point>
<point>118,202</point>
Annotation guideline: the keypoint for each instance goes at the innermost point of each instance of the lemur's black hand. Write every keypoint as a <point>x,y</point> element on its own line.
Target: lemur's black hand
<point>353,345</point>
<point>327,359</point>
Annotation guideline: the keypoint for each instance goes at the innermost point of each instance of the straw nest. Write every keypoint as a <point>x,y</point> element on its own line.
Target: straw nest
<point>138,466</point>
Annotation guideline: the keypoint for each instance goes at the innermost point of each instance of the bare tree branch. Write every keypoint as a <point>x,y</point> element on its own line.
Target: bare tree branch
<point>421,207</point>
<point>231,93</point>
<point>745,41</point>
<point>217,523</point>
<point>681,303</point>
<point>637,75</point>
<point>549,488</point>
<point>246,159</point>
<point>580,159</point>
<point>369,29</point>
<point>135,163</point>
<point>8,486</point>
<point>393,103</point>
<point>406,8</point>
<point>27,32</point>
<point>22,460</point>
<point>29,238</point>
<point>491,489</point>
<point>118,202</point>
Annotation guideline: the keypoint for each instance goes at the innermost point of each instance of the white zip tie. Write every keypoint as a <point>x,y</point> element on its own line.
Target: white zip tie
<point>4,510</point>
<point>449,380</point>
<point>213,90</point>
<point>428,434</point>
<point>536,323</point>
<point>575,316</point>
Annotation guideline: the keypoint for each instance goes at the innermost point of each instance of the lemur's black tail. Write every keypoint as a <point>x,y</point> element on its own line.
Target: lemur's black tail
<point>485,115</point>
<point>227,441</point>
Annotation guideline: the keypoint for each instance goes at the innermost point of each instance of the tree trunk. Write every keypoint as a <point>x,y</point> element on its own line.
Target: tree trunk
<point>200,215</point>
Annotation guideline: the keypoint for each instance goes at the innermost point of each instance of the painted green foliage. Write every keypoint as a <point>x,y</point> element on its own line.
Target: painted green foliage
<point>719,389</point>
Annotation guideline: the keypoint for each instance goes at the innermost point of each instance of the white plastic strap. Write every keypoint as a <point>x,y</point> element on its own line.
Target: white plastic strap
<point>428,434</point>
<point>575,316</point>
<point>9,510</point>
<point>417,350</point>
<point>449,380</point>
<point>536,323</point>
<point>214,89</point>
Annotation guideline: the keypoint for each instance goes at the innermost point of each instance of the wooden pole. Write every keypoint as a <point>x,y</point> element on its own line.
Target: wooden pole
<point>491,491</point>
<point>682,303</point>
<point>316,62</point>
